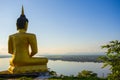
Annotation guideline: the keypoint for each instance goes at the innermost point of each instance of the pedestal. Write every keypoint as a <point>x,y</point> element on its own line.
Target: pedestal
<point>7,75</point>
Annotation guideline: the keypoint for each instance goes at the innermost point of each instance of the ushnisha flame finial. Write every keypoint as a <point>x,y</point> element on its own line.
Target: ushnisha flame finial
<point>22,13</point>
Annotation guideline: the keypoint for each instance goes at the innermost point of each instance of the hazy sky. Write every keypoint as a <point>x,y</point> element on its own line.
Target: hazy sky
<point>63,26</point>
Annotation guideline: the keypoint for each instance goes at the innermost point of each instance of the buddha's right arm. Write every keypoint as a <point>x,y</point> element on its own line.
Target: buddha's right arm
<point>10,45</point>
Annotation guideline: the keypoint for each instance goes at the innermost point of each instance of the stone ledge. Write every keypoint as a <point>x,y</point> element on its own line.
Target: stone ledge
<point>6,74</point>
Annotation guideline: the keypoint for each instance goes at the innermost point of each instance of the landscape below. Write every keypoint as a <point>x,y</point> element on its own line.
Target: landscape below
<point>74,58</point>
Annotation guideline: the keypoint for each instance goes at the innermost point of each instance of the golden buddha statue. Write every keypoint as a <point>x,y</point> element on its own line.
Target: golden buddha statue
<point>22,60</point>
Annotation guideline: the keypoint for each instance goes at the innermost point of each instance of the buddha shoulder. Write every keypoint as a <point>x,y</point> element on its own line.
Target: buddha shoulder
<point>30,35</point>
<point>12,35</point>
<point>26,34</point>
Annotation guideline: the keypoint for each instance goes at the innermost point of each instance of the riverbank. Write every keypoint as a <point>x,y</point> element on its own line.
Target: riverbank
<point>75,58</point>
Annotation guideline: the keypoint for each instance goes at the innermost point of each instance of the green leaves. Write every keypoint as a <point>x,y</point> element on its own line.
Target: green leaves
<point>112,59</point>
<point>86,73</point>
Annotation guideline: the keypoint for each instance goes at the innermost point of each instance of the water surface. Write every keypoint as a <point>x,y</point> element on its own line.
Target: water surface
<point>66,67</point>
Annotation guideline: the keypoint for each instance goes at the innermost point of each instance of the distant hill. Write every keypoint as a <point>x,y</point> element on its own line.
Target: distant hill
<point>86,53</point>
<point>75,58</point>
<point>77,53</point>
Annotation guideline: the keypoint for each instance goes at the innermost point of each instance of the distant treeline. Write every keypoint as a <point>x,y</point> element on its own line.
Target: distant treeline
<point>76,58</point>
<point>5,56</point>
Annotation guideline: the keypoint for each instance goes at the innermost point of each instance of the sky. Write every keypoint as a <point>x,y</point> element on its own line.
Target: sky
<point>63,26</point>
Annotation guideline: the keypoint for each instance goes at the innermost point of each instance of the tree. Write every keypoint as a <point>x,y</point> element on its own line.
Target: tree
<point>86,73</point>
<point>53,73</point>
<point>112,59</point>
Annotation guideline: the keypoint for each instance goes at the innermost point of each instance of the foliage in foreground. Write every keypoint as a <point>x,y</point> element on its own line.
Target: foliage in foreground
<point>112,59</point>
<point>83,75</point>
<point>64,78</point>
<point>86,73</point>
<point>77,78</point>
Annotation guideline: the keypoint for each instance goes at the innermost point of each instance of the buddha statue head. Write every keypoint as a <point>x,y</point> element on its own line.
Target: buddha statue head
<point>22,21</point>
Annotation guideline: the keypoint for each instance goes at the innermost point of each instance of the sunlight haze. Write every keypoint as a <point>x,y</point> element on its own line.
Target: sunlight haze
<point>63,26</point>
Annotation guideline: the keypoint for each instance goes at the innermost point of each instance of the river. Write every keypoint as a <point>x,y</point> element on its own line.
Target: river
<point>67,67</point>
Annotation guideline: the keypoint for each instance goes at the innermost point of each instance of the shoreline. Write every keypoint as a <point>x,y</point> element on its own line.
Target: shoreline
<point>73,58</point>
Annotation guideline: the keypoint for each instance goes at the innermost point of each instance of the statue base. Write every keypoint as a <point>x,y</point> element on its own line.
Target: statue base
<point>27,69</point>
<point>7,75</point>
